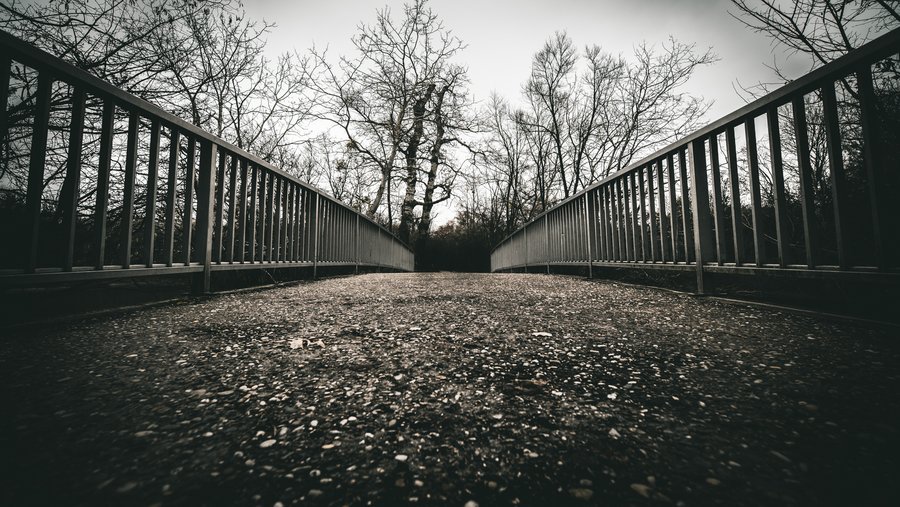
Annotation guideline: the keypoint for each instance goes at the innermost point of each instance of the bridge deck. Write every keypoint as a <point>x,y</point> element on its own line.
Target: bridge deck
<point>443,388</point>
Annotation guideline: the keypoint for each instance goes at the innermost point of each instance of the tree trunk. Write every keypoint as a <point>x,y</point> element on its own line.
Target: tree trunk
<point>428,200</point>
<point>385,182</point>
<point>412,165</point>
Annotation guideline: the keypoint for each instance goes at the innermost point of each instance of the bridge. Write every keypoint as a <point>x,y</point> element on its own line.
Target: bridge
<point>396,387</point>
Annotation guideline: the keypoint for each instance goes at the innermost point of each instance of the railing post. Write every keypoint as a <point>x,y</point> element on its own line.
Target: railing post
<point>316,238</point>
<point>69,198</point>
<point>703,238</point>
<point>525,233</point>
<point>356,248</point>
<point>592,233</point>
<point>36,163</point>
<point>875,166</point>
<point>547,239</point>
<point>205,184</point>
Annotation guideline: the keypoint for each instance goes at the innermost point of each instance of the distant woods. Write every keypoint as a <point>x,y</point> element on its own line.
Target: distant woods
<point>392,128</point>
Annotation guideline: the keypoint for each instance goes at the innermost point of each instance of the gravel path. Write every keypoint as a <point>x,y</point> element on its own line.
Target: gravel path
<point>446,389</point>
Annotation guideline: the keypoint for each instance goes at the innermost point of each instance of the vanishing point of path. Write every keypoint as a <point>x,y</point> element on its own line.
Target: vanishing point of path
<point>446,389</point>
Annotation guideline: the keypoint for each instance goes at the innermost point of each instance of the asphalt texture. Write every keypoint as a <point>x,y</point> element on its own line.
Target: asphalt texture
<point>450,389</point>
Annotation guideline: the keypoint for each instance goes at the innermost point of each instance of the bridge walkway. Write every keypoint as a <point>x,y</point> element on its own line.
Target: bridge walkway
<point>449,388</point>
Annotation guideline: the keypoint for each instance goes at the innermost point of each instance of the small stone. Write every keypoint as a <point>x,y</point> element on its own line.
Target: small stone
<point>471,503</point>
<point>128,486</point>
<point>581,493</point>
<point>642,489</point>
<point>542,334</point>
<point>712,481</point>
<point>315,492</point>
<point>613,433</point>
<point>401,457</point>
<point>267,443</point>
<point>142,434</point>
<point>780,456</point>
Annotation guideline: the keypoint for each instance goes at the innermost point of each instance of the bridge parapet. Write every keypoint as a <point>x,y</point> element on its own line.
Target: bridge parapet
<point>215,207</point>
<point>814,198</point>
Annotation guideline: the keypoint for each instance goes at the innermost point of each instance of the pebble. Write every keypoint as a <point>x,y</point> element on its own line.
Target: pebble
<point>128,486</point>
<point>642,489</point>
<point>582,493</point>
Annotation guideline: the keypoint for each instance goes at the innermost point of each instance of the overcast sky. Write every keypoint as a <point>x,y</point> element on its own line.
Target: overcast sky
<point>502,35</point>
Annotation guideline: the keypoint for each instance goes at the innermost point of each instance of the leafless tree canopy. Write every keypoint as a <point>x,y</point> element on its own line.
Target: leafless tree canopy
<point>398,102</point>
<point>823,29</point>
<point>587,114</point>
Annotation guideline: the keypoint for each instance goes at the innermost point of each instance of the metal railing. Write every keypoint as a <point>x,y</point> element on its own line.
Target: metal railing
<point>828,165</point>
<point>220,207</point>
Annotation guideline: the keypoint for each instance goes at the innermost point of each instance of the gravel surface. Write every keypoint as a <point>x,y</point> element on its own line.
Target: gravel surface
<point>451,389</point>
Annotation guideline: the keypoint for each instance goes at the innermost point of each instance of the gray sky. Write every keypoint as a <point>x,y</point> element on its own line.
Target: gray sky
<point>502,35</point>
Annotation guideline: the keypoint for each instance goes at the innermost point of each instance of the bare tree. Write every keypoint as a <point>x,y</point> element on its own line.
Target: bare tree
<point>385,101</point>
<point>586,116</point>
<point>451,120</point>
<point>552,88</point>
<point>598,120</point>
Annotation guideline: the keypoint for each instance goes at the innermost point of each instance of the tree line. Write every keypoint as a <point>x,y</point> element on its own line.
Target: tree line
<point>392,128</point>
